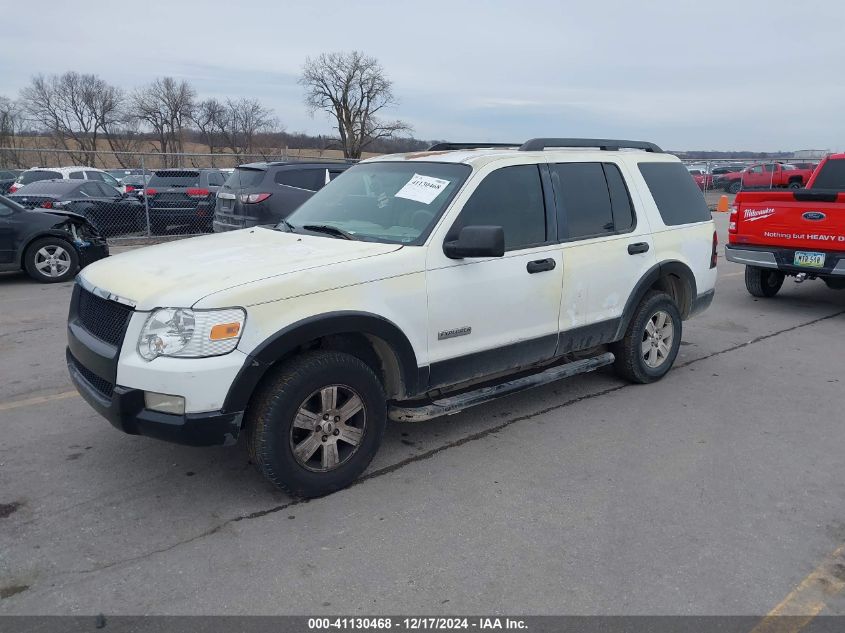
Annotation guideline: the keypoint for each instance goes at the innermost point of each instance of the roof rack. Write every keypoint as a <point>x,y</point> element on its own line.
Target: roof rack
<point>606,144</point>
<point>441,147</point>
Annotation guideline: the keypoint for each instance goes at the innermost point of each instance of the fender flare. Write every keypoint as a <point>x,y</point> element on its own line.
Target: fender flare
<point>652,276</point>
<point>289,338</point>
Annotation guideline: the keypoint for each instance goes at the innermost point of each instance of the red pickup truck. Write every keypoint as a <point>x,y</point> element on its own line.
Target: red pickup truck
<point>765,176</point>
<point>798,233</point>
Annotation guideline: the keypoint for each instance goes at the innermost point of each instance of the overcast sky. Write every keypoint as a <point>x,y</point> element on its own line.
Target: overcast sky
<point>687,75</point>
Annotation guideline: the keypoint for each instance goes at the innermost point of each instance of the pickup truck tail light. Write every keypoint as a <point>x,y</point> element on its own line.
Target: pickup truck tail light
<point>714,256</point>
<point>732,220</point>
<point>253,198</point>
<point>197,193</point>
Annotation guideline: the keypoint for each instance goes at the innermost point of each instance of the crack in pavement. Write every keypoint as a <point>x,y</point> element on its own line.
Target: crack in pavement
<point>386,470</point>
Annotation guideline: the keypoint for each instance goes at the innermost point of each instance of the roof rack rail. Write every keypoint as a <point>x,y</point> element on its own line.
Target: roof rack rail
<point>606,144</point>
<point>441,147</point>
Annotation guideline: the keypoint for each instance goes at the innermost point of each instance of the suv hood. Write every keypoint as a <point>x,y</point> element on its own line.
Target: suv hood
<point>180,273</point>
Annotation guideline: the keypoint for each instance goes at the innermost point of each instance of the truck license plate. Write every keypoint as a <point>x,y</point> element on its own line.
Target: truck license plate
<point>810,260</point>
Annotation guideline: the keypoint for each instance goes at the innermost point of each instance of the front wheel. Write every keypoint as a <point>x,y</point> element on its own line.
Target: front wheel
<point>51,260</point>
<point>652,340</point>
<point>763,282</point>
<point>315,425</point>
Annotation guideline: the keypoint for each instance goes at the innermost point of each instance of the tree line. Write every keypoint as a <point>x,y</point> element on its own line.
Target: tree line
<point>83,113</point>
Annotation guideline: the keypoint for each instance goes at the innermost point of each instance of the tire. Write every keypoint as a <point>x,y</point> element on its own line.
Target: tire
<point>51,260</point>
<point>734,187</point>
<point>281,413</point>
<point>762,282</point>
<point>632,363</point>
<point>795,184</point>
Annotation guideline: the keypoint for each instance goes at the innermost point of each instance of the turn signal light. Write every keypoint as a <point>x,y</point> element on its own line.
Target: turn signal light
<point>224,331</point>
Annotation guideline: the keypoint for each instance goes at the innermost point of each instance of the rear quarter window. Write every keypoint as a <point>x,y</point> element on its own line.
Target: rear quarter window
<point>678,198</point>
<point>831,176</point>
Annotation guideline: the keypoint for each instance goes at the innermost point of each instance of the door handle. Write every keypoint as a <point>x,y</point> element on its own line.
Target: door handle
<point>639,247</point>
<point>539,265</point>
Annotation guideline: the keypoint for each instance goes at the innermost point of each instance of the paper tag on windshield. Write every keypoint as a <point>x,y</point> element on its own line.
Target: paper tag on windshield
<point>422,188</point>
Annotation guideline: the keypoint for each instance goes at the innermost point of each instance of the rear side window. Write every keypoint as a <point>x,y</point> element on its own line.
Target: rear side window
<point>76,175</point>
<point>94,175</point>
<point>245,177</point>
<point>310,179</point>
<point>41,174</point>
<point>175,179</point>
<point>511,197</point>
<point>593,199</point>
<point>831,176</point>
<point>676,195</point>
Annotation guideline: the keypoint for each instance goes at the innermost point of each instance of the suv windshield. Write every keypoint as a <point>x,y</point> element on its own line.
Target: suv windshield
<point>175,179</point>
<point>244,177</point>
<point>384,201</point>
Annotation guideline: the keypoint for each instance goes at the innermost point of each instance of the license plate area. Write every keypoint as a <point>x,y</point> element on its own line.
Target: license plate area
<point>808,259</point>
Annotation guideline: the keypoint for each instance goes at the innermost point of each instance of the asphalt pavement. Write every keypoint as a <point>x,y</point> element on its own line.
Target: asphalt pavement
<point>715,491</point>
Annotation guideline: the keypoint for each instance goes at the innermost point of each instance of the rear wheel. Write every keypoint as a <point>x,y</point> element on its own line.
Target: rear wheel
<point>763,282</point>
<point>795,184</point>
<point>315,425</point>
<point>651,343</point>
<point>51,260</point>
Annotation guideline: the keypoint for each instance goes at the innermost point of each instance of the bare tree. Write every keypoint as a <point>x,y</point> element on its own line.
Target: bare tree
<point>207,118</point>
<point>352,88</point>
<point>75,109</point>
<point>242,122</point>
<point>12,123</point>
<point>165,106</point>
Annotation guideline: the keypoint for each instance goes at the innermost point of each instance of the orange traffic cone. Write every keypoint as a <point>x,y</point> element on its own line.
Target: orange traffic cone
<point>722,207</point>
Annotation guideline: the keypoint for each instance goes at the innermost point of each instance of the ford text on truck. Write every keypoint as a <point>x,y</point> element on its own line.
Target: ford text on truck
<point>412,286</point>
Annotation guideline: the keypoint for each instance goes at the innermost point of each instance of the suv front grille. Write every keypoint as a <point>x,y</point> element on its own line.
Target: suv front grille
<point>103,318</point>
<point>102,385</point>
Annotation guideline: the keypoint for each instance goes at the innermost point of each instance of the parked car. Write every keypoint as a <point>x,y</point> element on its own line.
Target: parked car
<point>66,173</point>
<point>183,198</point>
<point>49,246</point>
<point>266,193</point>
<point>135,184</point>
<point>798,233</point>
<point>112,212</point>
<point>7,179</point>
<point>702,179</point>
<point>766,176</point>
<point>415,285</point>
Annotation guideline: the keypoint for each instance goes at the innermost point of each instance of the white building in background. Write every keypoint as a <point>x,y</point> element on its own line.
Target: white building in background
<point>811,153</point>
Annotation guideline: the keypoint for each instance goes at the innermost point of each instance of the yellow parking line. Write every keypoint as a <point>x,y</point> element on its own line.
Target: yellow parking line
<point>807,600</point>
<point>17,404</point>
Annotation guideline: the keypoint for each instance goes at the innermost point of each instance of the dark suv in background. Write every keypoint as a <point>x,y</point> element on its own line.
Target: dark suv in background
<point>266,193</point>
<point>182,198</point>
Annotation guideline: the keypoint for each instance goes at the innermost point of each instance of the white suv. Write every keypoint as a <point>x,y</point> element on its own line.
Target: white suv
<point>414,285</point>
<point>65,173</point>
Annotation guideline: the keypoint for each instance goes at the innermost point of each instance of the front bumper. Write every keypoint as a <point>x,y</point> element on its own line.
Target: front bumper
<point>124,409</point>
<point>91,251</point>
<point>782,259</point>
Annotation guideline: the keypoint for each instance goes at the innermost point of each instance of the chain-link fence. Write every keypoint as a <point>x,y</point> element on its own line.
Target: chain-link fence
<point>136,195</point>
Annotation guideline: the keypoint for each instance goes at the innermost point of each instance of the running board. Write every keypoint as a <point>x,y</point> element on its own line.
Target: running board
<point>456,404</point>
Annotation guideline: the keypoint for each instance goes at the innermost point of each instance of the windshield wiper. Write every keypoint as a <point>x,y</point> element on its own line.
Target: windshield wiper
<point>331,230</point>
<point>290,227</point>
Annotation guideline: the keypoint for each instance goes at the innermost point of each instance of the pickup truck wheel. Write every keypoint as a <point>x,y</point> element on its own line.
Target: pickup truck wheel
<point>795,184</point>
<point>315,425</point>
<point>762,282</point>
<point>651,343</point>
<point>734,187</point>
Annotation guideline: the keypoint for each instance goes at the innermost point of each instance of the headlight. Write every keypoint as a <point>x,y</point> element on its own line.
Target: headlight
<point>186,333</point>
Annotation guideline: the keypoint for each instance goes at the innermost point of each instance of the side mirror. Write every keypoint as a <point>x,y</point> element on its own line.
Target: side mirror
<point>477,241</point>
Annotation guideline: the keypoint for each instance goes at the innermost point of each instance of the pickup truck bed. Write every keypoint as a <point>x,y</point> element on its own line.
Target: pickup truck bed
<point>799,232</point>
